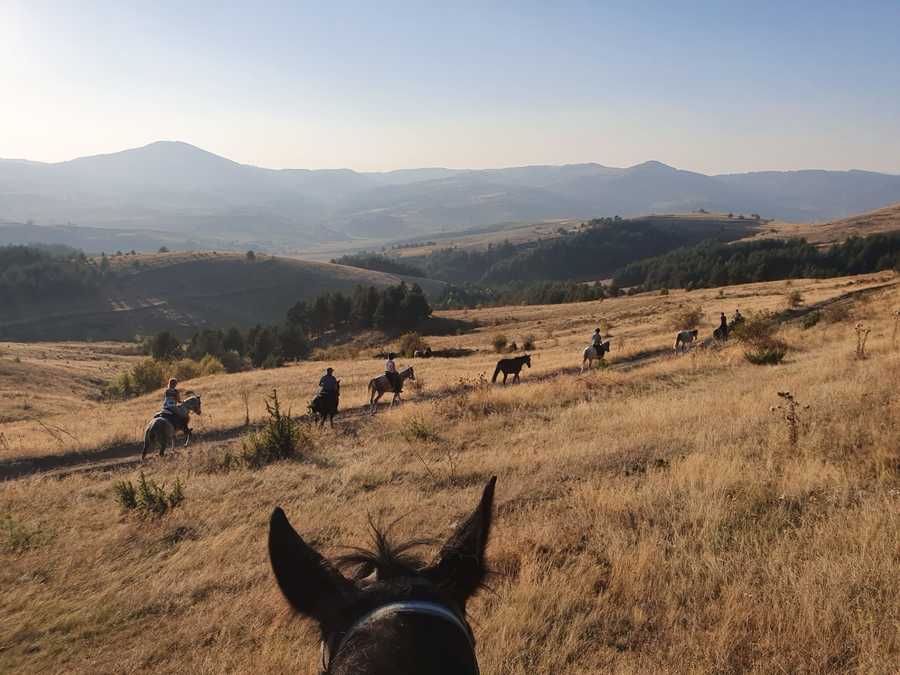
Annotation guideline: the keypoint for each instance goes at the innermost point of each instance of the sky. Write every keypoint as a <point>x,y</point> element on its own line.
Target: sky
<point>714,87</point>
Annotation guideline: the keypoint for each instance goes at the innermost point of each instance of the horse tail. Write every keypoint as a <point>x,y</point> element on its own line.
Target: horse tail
<point>148,438</point>
<point>496,372</point>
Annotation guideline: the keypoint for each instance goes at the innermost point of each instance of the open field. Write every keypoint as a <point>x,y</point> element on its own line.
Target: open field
<point>651,517</point>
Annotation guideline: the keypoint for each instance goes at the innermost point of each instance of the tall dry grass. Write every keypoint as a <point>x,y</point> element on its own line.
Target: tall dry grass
<point>657,519</point>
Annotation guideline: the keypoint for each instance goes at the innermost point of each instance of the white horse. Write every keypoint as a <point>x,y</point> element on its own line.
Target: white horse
<point>162,431</point>
<point>592,353</point>
<point>684,339</point>
<point>379,386</point>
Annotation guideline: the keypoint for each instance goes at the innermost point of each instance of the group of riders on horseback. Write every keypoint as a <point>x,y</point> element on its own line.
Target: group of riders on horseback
<point>175,413</point>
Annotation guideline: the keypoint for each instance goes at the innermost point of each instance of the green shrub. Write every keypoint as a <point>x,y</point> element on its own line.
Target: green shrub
<point>210,365</point>
<point>766,355</point>
<point>186,369</point>
<point>280,438</point>
<point>528,342</point>
<point>164,346</point>
<point>272,361</point>
<point>148,497</point>
<point>410,342</point>
<point>418,429</point>
<point>499,342</point>
<point>232,361</point>
<point>147,376</point>
<point>810,320</point>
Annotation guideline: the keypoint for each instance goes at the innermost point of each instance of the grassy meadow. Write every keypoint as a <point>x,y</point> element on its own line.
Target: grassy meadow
<point>652,516</point>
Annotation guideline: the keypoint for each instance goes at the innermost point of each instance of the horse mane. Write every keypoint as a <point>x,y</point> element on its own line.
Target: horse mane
<point>388,559</point>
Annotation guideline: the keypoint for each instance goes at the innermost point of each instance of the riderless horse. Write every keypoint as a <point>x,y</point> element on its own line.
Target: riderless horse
<point>684,338</point>
<point>592,353</point>
<point>162,431</point>
<point>393,614</point>
<point>511,367</point>
<point>379,386</point>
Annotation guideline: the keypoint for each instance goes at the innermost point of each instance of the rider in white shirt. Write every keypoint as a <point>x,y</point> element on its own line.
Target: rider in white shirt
<point>596,338</point>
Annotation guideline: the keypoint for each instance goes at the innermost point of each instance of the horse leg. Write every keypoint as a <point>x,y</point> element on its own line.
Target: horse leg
<point>374,401</point>
<point>187,439</point>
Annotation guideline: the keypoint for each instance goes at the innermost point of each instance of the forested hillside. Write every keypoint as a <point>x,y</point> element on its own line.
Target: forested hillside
<point>710,264</point>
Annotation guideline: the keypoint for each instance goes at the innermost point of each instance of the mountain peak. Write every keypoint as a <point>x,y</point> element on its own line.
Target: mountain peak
<point>652,165</point>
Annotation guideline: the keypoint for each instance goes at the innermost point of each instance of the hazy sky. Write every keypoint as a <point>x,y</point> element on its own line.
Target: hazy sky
<point>709,86</point>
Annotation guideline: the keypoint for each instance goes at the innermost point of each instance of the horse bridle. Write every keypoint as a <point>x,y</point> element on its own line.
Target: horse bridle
<point>333,646</point>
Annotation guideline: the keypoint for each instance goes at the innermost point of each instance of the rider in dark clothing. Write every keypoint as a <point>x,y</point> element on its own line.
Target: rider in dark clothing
<point>328,383</point>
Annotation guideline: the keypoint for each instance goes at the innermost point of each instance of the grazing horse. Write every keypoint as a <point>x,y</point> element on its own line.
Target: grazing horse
<point>393,614</point>
<point>379,386</point>
<point>160,430</point>
<point>325,405</point>
<point>591,353</point>
<point>684,338</point>
<point>514,366</point>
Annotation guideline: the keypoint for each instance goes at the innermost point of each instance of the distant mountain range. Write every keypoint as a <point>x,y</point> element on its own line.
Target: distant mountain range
<point>174,187</point>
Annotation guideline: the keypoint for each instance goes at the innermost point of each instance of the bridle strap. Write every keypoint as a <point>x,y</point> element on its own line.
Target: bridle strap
<point>406,607</point>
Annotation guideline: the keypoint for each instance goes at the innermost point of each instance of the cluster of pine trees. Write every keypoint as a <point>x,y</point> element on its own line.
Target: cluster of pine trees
<point>379,263</point>
<point>393,308</point>
<point>536,293</point>
<point>30,273</point>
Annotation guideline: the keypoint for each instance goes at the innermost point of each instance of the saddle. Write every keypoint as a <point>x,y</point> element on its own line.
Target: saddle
<point>174,419</point>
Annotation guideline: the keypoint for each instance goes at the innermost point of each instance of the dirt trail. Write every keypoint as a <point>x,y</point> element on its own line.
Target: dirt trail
<point>126,455</point>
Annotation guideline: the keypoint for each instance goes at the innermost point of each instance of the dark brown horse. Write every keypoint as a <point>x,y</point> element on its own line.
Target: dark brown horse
<point>511,367</point>
<point>394,615</point>
<point>325,405</point>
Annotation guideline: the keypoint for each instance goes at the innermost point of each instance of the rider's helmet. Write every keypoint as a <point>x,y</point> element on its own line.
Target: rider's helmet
<point>329,370</point>
<point>391,356</point>
<point>596,330</point>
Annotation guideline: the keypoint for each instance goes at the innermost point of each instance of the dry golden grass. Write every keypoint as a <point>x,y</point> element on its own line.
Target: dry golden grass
<point>882,220</point>
<point>652,519</point>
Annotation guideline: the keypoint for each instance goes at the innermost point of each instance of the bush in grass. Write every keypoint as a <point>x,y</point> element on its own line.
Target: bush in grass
<point>186,369</point>
<point>794,299</point>
<point>280,438</point>
<point>686,318</point>
<point>810,320</point>
<point>210,365</point>
<point>766,355</point>
<point>759,334</point>
<point>232,361</point>
<point>528,343</point>
<point>148,497</point>
<point>410,343</point>
<point>499,342</point>
<point>272,361</point>
<point>148,375</point>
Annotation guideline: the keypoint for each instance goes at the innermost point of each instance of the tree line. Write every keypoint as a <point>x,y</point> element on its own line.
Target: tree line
<point>393,309</point>
<point>711,264</point>
<point>379,263</point>
<point>30,273</point>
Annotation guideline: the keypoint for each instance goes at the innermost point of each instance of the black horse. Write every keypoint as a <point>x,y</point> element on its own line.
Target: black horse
<point>511,366</point>
<point>394,614</point>
<point>325,405</point>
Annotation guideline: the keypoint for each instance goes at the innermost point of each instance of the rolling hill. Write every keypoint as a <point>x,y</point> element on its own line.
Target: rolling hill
<point>878,221</point>
<point>181,292</point>
<point>176,187</point>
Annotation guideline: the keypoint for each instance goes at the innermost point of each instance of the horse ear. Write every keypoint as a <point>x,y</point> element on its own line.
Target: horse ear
<point>459,568</point>
<point>311,584</point>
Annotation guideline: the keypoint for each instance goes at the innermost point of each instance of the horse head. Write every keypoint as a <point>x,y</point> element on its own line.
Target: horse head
<point>527,360</point>
<point>192,403</point>
<point>394,614</point>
